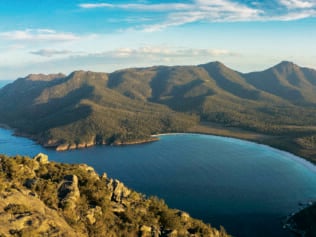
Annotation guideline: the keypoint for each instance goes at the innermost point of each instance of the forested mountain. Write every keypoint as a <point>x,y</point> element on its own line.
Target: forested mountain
<point>87,108</point>
<point>80,110</point>
<point>217,93</point>
<point>288,81</point>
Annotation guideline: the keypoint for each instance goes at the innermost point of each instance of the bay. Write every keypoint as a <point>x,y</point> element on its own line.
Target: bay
<point>246,187</point>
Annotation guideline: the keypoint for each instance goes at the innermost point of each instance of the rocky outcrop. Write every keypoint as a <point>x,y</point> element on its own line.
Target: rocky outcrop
<point>149,231</point>
<point>41,158</point>
<point>73,146</point>
<point>68,192</point>
<point>303,222</point>
<point>118,190</point>
<point>66,147</point>
<point>92,213</point>
<point>23,214</point>
<point>72,200</point>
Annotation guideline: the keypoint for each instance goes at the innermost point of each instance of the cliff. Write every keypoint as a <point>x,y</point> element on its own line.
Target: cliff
<point>43,198</point>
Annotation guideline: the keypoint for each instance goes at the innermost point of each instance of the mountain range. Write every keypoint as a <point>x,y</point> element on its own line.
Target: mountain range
<point>127,106</point>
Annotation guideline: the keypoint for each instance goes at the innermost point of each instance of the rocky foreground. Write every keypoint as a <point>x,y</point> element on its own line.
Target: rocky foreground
<point>43,198</point>
<point>303,222</point>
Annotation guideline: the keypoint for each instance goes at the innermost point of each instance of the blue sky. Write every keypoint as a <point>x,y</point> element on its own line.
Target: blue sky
<point>50,36</point>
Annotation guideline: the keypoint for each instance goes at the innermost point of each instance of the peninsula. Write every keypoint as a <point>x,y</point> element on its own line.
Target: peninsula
<point>275,106</point>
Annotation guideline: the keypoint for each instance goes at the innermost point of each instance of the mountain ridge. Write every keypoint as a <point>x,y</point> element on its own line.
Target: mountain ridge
<point>86,108</point>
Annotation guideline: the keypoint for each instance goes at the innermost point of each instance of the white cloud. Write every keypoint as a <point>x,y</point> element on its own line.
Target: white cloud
<point>179,14</point>
<point>139,7</point>
<point>293,4</point>
<point>95,5</point>
<point>160,52</point>
<point>176,14</point>
<point>296,15</point>
<point>37,35</point>
<point>51,52</point>
<point>222,11</point>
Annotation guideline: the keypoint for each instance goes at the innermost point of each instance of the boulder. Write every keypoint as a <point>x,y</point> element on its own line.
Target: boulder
<point>183,215</point>
<point>41,158</point>
<point>145,231</point>
<point>62,147</point>
<point>118,190</point>
<point>89,170</point>
<point>92,213</point>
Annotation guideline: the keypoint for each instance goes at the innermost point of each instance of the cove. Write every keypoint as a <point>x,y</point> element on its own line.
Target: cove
<point>246,187</point>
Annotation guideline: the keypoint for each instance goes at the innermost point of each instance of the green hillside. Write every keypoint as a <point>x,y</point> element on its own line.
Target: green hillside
<point>288,81</point>
<point>219,94</point>
<point>127,106</point>
<point>80,110</point>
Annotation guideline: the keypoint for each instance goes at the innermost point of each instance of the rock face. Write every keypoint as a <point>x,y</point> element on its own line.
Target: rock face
<point>118,190</point>
<point>23,214</point>
<point>68,192</point>
<point>66,147</point>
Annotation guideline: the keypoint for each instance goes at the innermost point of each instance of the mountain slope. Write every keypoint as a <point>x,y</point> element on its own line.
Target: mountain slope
<point>87,108</point>
<point>42,198</point>
<point>287,81</point>
<point>219,94</point>
<point>79,110</point>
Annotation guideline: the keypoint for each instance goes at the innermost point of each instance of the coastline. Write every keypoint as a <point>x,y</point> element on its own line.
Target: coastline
<point>206,128</point>
<point>68,147</point>
<point>290,224</point>
<point>283,143</point>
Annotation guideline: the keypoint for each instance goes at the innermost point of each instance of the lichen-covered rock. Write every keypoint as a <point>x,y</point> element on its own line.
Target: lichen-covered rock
<point>68,192</point>
<point>92,213</point>
<point>118,189</point>
<point>145,231</point>
<point>88,169</point>
<point>41,158</point>
<point>26,215</point>
<point>183,215</point>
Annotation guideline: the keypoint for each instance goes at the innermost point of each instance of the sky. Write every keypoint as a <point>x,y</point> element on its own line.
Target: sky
<point>52,36</point>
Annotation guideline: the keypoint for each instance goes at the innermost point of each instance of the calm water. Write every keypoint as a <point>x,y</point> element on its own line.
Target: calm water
<point>246,187</point>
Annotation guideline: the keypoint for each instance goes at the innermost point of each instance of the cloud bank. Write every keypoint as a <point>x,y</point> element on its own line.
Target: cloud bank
<point>176,14</point>
<point>37,35</point>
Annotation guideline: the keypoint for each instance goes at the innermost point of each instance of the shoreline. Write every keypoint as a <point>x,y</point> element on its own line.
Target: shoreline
<point>70,147</point>
<point>301,160</point>
<point>280,142</point>
<point>205,128</point>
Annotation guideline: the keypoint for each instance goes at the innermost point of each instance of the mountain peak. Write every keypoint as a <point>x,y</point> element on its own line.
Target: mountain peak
<point>214,65</point>
<point>286,64</point>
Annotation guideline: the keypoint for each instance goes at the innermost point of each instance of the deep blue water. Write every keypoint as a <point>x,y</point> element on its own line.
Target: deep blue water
<point>246,187</point>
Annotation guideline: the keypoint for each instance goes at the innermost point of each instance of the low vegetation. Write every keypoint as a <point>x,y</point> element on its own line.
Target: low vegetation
<point>42,198</point>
